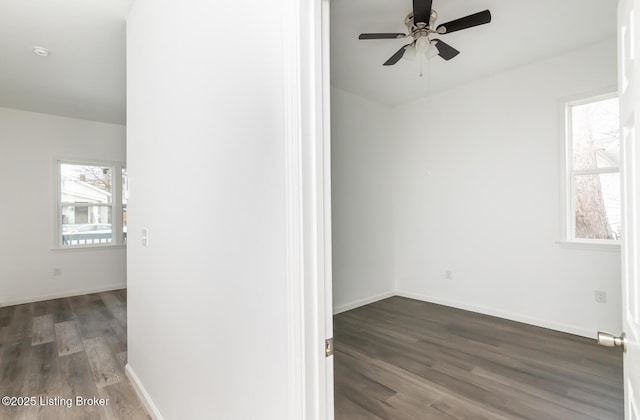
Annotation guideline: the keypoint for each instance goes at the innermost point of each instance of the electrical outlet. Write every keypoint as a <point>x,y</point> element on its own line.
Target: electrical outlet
<point>57,271</point>
<point>601,296</point>
<point>448,275</point>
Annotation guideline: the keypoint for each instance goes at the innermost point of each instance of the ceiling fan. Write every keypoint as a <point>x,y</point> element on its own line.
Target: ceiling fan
<point>420,24</point>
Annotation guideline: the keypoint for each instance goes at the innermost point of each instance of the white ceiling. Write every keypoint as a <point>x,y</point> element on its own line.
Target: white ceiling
<point>84,76</point>
<point>521,31</point>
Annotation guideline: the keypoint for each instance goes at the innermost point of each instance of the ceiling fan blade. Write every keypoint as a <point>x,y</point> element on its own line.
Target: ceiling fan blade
<point>445,50</point>
<point>421,11</point>
<point>382,36</point>
<point>395,57</point>
<point>470,21</point>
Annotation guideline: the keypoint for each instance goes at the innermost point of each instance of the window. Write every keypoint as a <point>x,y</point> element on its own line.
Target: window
<point>593,171</point>
<point>91,207</point>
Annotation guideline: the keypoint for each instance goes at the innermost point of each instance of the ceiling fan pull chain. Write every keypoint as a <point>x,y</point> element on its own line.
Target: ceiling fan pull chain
<point>429,73</point>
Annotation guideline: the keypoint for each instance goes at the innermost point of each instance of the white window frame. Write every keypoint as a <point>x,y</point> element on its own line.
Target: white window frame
<point>569,239</point>
<point>117,239</point>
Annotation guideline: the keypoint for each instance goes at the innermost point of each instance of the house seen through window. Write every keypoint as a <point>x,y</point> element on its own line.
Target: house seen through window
<point>593,171</point>
<point>92,204</point>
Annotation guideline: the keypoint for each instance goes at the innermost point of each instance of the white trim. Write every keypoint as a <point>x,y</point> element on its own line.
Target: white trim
<point>144,396</point>
<point>564,133</point>
<point>324,33</point>
<point>64,294</point>
<point>362,302</point>
<point>117,237</point>
<point>570,329</point>
<point>568,174</point>
<point>82,161</point>
<point>315,186</point>
<point>82,248</point>
<point>597,171</point>
<point>594,96</point>
<point>591,246</point>
<point>117,223</point>
<point>293,204</point>
<point>307,201</point>
<point>310,377</point>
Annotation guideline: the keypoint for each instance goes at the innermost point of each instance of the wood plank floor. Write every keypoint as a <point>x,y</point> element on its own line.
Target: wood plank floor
<point>62,349</point>
<point>405,359</point>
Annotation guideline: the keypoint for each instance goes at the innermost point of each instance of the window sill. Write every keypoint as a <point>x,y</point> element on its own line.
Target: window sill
<point>590,246</point>
<point>89,248</point>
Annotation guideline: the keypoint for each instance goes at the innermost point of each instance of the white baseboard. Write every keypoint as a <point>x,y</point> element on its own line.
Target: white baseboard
<point>362,302</point>
<point>570,329</point>
<point>152,410</point>
<point>65,294</point>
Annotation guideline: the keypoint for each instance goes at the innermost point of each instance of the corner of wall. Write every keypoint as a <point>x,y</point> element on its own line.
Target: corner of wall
<point>142,393</point>
<point>362,302</point>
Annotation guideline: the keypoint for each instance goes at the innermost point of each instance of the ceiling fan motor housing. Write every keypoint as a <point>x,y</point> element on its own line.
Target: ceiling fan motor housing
<point>422,29</point>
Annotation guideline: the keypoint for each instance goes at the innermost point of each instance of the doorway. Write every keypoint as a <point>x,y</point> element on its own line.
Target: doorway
<point>419,167</point>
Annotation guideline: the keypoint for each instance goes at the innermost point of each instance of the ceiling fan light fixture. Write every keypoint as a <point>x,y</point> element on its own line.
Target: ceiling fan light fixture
<point>432,51</point>
<point>422,44</point>
<point>421,24</point>
<point>410,53</point>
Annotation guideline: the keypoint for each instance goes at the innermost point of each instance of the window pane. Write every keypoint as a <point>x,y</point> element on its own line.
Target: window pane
<point>85,183</point>
<point>595,134</point>
<point>125,199</point>
<point>86,225</point>
<point>598,206</point>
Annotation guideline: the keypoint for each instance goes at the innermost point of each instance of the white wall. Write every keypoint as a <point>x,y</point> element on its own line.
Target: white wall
<point>361,201</point>
<point>479,194</point>
<point>29,145</point>
<point>207,318</point>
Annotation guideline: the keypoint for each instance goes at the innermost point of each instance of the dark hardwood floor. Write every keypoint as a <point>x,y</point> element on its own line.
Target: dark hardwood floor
<point>62,349</point>
<point>405,359</point>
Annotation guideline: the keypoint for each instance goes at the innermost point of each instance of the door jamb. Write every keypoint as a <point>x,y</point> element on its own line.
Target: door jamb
<point>308,207</point>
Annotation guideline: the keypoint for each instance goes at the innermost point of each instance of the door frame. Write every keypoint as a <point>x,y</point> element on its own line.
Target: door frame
<point>629,94</point>
<point>308,207</point>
